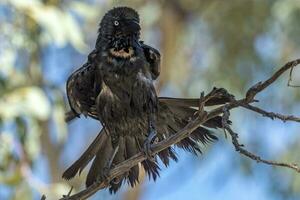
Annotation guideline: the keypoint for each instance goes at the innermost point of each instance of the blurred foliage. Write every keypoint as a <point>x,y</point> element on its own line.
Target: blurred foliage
<point>28,102</point>
<point>204,43</point>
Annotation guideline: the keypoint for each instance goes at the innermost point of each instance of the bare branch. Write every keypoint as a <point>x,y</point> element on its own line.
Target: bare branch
<point>271,115</point>
<point>261,86</point>
<point>243,151</point>
<point>201,118</point>
<point>239,147</point>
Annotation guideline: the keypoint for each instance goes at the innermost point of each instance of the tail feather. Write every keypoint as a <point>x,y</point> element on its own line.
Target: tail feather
<point>189,145</point>
<point>194,102</point>
<point>151,168</point>
<point>215,122</point>
<point>128,147</point>
<point>119,157</point>
<point>86,157</point>
<point>179,112</point>
<point>166,154</point>
<point>115,185</point>
<point>182,112</point>
<point>203,135</point>
<point>100,162</point>
<point>133,176</point>
<point>132,149</point>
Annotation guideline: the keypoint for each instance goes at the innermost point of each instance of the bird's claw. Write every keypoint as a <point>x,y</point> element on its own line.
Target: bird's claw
<point>147,146</point>
<point>148,150</point>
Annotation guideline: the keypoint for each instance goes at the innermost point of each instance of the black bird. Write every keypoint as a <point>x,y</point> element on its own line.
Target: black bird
<point>115,86</point>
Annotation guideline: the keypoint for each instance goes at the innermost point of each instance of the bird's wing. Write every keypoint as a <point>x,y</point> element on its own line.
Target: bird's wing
<point>83,86</point>
<point>153,58</point>
<point>222,98</point>
<point>194,102</point>
<point>175,113</point>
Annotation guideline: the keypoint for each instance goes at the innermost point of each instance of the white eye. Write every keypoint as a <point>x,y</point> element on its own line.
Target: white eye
<point>116,23</point>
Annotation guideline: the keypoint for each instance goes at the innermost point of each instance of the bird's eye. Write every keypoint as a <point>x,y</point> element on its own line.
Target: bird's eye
<point>116,23</point>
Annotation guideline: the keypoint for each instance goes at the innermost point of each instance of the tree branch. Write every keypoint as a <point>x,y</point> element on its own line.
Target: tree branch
<point>271,115</point>
<point>239,148</point>
<point>201,118</point>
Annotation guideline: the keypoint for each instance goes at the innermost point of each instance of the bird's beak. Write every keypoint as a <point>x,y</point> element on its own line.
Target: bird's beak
<point>131,26</point>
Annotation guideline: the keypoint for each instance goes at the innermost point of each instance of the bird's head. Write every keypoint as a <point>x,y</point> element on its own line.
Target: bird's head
<point>119,29</point>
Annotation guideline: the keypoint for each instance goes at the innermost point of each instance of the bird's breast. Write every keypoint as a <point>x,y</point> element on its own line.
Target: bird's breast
<point>125,98</point>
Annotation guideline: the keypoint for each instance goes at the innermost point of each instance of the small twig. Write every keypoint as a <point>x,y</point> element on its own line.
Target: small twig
<point>201,112</point>
<point>201,102</point>
<point>239,148</point>
<point>225,119</point>
<point>271,115</point>
<point>262,85</point>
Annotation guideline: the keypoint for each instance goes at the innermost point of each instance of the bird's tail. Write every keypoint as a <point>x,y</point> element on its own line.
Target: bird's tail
<point>102,150</point>
<point>126,147</point>
<point>87,156</point>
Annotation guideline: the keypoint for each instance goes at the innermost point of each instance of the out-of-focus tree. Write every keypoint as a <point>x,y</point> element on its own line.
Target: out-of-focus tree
<point>204,43</point>
<point>31,105</point>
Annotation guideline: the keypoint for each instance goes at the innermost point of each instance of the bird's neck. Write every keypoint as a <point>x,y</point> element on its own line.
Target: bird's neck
<point>127,52</point>
<point>107,42</point>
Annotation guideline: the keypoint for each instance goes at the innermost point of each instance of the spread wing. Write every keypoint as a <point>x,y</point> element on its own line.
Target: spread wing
<point>153,57</point>
<point>83,87</point>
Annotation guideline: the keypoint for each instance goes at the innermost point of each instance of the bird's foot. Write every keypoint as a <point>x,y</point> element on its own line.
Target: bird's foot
<point>147,145</point>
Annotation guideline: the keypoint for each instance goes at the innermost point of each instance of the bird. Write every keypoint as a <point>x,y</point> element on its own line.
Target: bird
<point>116,87</point>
